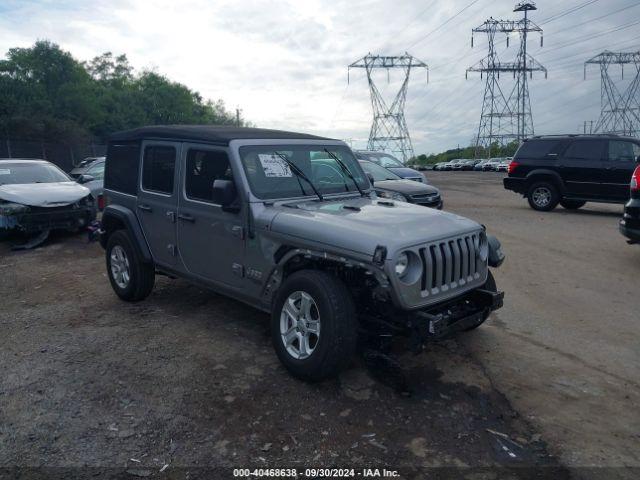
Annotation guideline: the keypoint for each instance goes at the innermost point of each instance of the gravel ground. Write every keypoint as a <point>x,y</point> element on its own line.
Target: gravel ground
<point>189,379</point>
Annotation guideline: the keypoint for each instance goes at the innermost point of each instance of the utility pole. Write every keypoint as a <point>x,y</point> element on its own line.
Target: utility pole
<point>620,112</point>
<point>389,130</point>
<point>506,118</point>
<point>238,116</point>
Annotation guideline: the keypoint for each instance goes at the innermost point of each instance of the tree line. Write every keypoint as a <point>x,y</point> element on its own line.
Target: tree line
<point>47,95</point>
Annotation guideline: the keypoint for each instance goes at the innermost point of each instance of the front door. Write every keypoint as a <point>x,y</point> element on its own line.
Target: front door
<point>211,239</point>
<point>158,200</point>
<point>581,167</point>
<point>619,168</point>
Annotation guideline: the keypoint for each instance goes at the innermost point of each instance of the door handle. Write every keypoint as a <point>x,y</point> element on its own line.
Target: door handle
<point>186,218</point>
<point>146,208</point>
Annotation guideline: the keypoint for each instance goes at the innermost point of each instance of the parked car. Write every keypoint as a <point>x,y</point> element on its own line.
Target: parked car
<point>439,166</point>
<point>467,165</point>
<point>478,167</point>
<point>492,164</point>
<point>503,166</point>
<point>573,169</point>
<point>389,185</point>
<point>264,217</point>
<point>451,164</point>
<point>37,197</point>
<point>84,165</point>
<point>92,177</point>
<point>392,163</point>
<point>630,223</point>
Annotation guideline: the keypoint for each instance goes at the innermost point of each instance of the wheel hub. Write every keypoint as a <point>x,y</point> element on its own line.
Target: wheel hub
<point>300,325</point>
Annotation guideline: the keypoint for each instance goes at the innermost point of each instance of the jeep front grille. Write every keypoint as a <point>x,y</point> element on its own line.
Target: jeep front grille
<point>451,264</point>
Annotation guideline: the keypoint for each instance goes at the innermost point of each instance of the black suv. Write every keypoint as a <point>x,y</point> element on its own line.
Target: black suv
<point>573,169</point>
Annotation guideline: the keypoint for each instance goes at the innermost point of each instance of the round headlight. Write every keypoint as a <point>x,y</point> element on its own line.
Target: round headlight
<point>402,263</point>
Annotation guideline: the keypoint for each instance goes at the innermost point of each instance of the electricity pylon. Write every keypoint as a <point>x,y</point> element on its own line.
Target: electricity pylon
<point>389,130</point>
<point>620,112</point>
<point>506,118</point>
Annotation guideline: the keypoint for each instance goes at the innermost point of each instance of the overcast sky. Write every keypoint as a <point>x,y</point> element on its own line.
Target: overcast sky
<point>284,63</point>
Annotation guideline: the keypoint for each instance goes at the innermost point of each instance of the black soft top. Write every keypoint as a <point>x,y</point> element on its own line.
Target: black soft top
<point>220,135</point>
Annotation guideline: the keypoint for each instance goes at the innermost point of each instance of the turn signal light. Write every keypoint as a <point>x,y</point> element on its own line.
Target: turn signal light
<point>512,166</point>
<point>635,180</point>
<point>101,202</point>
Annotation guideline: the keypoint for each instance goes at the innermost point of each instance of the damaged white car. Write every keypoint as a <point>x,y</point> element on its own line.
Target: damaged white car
<point>37,197</point>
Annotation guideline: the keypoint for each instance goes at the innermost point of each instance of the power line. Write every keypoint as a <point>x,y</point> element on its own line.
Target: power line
<point>590,36</point>
<point>443,24</point>
<point>566,12</point>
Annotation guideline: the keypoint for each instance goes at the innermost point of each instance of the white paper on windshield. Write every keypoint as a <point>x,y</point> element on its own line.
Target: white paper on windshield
<point>5,171</point>
<point>274,166</point>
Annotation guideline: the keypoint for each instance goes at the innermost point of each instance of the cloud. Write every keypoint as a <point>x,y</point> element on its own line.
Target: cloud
<point>284,62</point>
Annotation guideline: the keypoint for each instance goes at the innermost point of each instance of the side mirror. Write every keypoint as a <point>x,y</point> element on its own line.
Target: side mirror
<point>224,192</point>
<point>370,177</point>
<point>85,179</point>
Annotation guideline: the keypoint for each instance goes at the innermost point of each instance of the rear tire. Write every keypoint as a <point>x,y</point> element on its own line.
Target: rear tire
<point>572,204</point>
<point>330,311</point>
<point>543,196</point>
<point>131,278</point>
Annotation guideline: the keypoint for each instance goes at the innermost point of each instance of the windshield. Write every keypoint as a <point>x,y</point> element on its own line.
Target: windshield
<point>15,173</point>
<point>378,173</point>
<point>384,160</point>
<point>270,177</point>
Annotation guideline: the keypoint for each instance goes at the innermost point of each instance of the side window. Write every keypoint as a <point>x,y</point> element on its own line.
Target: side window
<point>121,167</point>
<point>203,167</point>
<point>623,151</point>
<point>585,149</point>
<point>158,169</point>
<point>535,148</point>
<point>97,171</point>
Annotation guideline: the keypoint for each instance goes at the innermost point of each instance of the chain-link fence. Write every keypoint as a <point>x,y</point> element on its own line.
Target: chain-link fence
<point>64,156</point>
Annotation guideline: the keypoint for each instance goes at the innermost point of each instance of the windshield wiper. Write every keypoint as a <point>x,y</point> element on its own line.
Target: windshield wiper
<point>345,170</point>
<point>295,169</point>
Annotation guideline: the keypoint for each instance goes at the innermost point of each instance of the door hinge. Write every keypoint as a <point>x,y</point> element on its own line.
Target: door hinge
<point>172,249</point>
<point>238,269</point>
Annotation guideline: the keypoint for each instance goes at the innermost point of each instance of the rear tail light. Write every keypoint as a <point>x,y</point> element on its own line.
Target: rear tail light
<point>635,180</point>
<point>101,202</point>
<point>512,166</point>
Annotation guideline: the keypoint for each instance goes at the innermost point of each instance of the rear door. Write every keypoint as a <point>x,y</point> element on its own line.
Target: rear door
<point>211,239</point>
<point>158,199</point>
<point>581,167</point>
<point>619,166</point>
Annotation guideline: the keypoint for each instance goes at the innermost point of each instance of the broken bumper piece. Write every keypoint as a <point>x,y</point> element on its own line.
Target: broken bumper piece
<point>445,320</point>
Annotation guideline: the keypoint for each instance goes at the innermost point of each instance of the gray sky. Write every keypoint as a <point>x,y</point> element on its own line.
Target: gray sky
<point>285,62</point>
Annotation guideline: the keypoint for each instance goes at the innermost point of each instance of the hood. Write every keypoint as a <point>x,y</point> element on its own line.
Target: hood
<point>408,187</point>
<point>405,171</point>
<point>366,223</point>
<point>44,194</point>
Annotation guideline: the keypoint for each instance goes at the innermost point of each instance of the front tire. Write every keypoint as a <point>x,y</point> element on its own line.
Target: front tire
<point>543,196</point>
<point>314,325</point>
<point>572,204</point>
<point>130,277</point>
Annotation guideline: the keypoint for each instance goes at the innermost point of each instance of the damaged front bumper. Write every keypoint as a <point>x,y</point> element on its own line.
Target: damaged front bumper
<point>446,319</point>
<point>29,220</point>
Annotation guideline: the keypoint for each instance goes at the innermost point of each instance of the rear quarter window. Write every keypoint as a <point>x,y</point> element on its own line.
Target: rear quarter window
<point>121,167</point>
<point>536,148</point>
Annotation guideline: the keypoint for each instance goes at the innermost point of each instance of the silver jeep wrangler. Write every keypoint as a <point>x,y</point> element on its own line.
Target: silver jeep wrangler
<point>290,224</point>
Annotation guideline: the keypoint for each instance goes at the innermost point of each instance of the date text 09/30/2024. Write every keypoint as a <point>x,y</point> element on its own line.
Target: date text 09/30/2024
<point>315,473</point>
